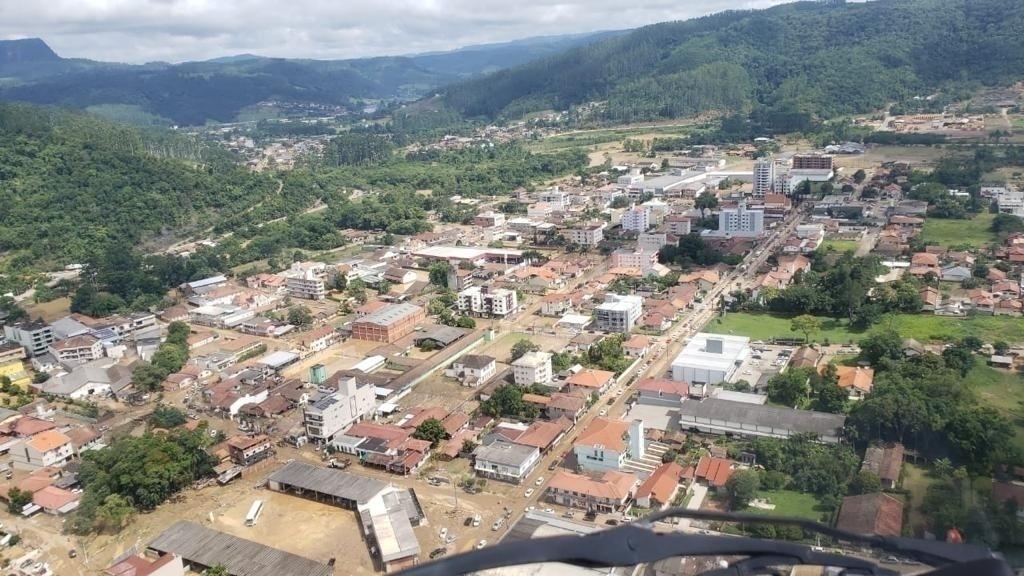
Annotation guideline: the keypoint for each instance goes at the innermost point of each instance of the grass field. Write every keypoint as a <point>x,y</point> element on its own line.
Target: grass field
<point>790,503</point>
<point>839,245</point>
<point>975,232</point>
<point>926,328</point>
<point>1001,390</point>
<point>595,137</point>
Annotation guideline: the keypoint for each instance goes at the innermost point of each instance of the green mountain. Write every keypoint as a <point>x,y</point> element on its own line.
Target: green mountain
<point>808,57</point>
<point>195,92</point>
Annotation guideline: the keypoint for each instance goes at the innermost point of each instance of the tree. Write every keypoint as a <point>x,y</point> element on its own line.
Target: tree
<point>806,324</point>
<point>383,287</point>
<point>218,570</point>
<point>865,482</point>
<point>178,333</point>
<point>790,387</point>
<point>826,393</point>
<point>884,344</point>
<point>299,315</point>
<point>430,429</point>
<point>357,290</point>
<point>113,514</point>
<point>1000,347</point>
<point>859,176</point>
<point>520,348</point>
<point>468,446</point>
<point>465,322</point>
<point>167,417</point>
<point>706,201</point>
<point>742,487</point>
<point>17,499</point>
<point>438,273</point>
<point>959,358</point>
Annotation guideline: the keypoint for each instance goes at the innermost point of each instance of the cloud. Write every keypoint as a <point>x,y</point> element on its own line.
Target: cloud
<point>178,30</point>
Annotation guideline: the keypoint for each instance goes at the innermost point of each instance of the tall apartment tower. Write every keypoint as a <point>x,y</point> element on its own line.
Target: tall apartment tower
<point>764,177</point>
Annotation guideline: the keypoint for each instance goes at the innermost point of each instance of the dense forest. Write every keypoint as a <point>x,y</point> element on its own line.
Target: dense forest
<point>805,58</point>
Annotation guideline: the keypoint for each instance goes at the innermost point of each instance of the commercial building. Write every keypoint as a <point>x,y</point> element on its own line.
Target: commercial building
<point>764,176</point>
<point>740,221</point>
<point>637,219</point>
<point>332,414</point>
<point>505,461</point>
<point>710,358</point>
<point>470,255</point>
<point>607,444</point>
<point>306,280</point>
<point>532,368</point>
<point>388,324</point>
<point>812,162</point>
<point>36,337</point>
<point>618,313</point>
<point>484,301</point>
<point>717,416</point>
<point>604,493</point>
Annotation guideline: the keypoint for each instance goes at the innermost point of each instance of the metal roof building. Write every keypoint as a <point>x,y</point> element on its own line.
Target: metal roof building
<point>728,417</point>
<point>344,489</point>
<point>204,548</point>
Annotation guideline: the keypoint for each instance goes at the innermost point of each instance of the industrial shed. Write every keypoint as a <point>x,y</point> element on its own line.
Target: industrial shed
<point>740,418</point>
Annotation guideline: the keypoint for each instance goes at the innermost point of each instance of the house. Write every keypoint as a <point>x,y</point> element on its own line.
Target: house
<point>661,392</point>
<point>607,444</point>
<point>559,304</point>
<point>473,369</point>
<point>661,487</point>
<point>319,339</point>
<point>955,273</point>
<point>607,492</point>
<point>505,461</point>
<point>248,450</point>
<point>1008,307</point>
<point>384,446</point>
<point>135,565</point>
<point>855,380</point>
<point>931,299</point>
<point>805,357</point>
<point>705,279</point>
<point>569,406</point>
<point>636,346</point>
<point>715,472</point>
<point>871,514</point>
<point>45,449</point>
<point>589,381</point>
<point>544,435</point>
<point>56,501</point>
<point>886,462</point>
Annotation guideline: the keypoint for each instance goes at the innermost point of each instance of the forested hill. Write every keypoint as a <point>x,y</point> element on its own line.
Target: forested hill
<point>72,185</point>
<point>192,93</point>
<point>813,57</point>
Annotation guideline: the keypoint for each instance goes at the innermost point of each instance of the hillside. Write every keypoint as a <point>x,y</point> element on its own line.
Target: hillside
<point>805,57</point>
<point>195,92</point>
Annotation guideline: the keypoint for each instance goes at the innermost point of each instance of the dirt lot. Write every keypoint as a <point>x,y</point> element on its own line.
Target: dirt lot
<point>49,311</point>
<point>437,390</point>
<point>337,357</point>
<point>502,347</point>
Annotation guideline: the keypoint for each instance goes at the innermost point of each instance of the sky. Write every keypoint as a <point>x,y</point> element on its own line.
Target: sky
<point>140,31</point>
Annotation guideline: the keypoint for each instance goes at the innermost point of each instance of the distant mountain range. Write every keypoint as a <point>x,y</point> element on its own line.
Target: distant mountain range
<point>221,88</point>
<point>817,58</point>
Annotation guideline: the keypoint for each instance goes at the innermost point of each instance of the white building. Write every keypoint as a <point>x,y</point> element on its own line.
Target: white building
<point>532,368</point>
<point>483,301</point>
<point>678,225</point>
<point>764,176</point>
<point>618,313</point>
<point>652,242</point>
<point>34,336</point>
<point>637,219</point>
<point>587,235</point>
<point>1010,201</point>
<point>49,448</point>
<point>505,461</point>
<point>335,412</point>
<point>607,444</point>
<point>783,183</point>
<point>740,222</point>
<point>557,199</point>
<point>810,231</point>
<point>82,348</point>
<point>639,259</point>
<point>306,280</point>
<point>710,358</point>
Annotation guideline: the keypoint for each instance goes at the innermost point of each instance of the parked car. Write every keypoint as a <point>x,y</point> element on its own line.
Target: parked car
<point>538,481</point>
<point>529,492</point>
<point>437,553</point>
<point>481,544</point>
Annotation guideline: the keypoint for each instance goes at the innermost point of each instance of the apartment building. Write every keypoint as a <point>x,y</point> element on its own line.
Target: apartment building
<point>764,176</point>
<point>36,337</point>
<point>485,301</point>
<point>306,280</point>
<point>637,219</point>
<point>741,222</point>
<point>587,235</point>
<point>332,414</point>
<point>82,348</point>
<point>639,259</point>
<point>618,313</point>
<point>532,368</point>
<point>812,162</point>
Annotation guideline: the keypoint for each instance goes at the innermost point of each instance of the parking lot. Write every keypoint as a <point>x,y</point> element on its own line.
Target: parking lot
<point>764,361</point>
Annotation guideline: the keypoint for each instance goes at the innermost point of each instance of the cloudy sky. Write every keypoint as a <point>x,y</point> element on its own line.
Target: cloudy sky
<point>177,30</point>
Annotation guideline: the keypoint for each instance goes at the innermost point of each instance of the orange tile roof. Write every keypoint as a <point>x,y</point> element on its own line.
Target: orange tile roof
<point>421,415</point>
<point>715,470</point>
<point>52,498</point>
<point>454,422</point>
<point>637,341</point>
<point>536,399</point>
<point>876,513</point>
<point>49,440</point>
<point>924,259</point>
<point>663,386</point>
<point>138,566</point>
<point>662,483</point>
<point>604,432</point>
<point>27,426</point>
<point>855,377</point>
<point>590,378</point>
<point>612,485</point>
<point>542,434</point>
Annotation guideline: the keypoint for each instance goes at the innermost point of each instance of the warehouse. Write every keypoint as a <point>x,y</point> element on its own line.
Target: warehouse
<point>710,358</point>
<point>389,324</point>
<point>718,416</point>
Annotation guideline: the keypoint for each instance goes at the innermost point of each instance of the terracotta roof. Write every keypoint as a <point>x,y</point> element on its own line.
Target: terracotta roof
<point>567,402</point>
<point>371,307</point>
<point>637,341</point>
<point>855,377</point>
<point>27,426</point>
<point>135,565</point>
<point>246,442</point>
<point>924,259</point>
<point>716,471</point>
<point>604,432</point>
<point>421,415</point>
<point>454,422</point>
<point>662,483</point>
<point>612,485</point>
<point>453,446</point>
<point>590,378</point>
<point>876,513</point>
<point>542,434</point>
<point>47,441</point>
<point>52,498</point>
<point>81,435</point>
<point>536,399</point>
<point>663,386</point>
<point>884,461</point>
<point>393,435</point>
<point>80,341</point>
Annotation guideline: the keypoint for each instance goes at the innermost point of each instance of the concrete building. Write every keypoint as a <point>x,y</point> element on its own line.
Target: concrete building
<point>306,280</point>
<point>638,259</point>
<point>607,444</point>
<point>587,235</point>
<point>812,162</point>
<point>741,222</point>
<point>388,324</point>
<point>489,219</point>
<point>678,225</point>
<point>474,369</point>
<point>36,337</point>
<point>637,219</point>
<point>81,348</point>
<point>485,301</point>
<point>764,176</point>
<point>532,368</point>
<point>332,414</point>
<point>46,449</point>
<point>710,358</point>
<point>618,313</point>
<point>248,450</point>
<point>505,461</point>
<point>605,493</point>
<point>652,242</point>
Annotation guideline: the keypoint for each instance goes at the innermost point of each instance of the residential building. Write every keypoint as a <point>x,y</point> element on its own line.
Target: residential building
<point>82,348</point>
<point>586,235</point>
<point>306,280</point>
<point>764,176</point>
<point>101,377</point>
<point>607,444</point>
<point>678,225</point>
<point>135,565</point>
<point>489,219</point>
<point>661,487</point>
<point>505,461</point>
<point>49,448</point>
<point>330,415</point>
<point>637,346</point>
<point>589,381</point>
<point>474,369</point>
<point>661,392</point>
<point>710,358</point>
<point>812,162</point>
<point>618,313</point>
<point>607,492</point>
<point>652,242</point>
<point>640,260</point>
<point>855,380</point>
<point>532,368</point>
<point>388,324</point>
<point>34,336</point>
<point>871,514</point>
<point>636,219</point>
<point>568,406</point>
<point>740,222</point>
<point>248,450</point>
<point>886,462</point>
<point>486,301</point>
<point>715,472</point>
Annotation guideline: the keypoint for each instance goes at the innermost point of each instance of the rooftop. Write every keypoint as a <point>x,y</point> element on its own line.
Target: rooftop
<point>697,354</point>
<point>612,485</point>
<point>391,314</point>
<point>819,423</point>
<point>504,453</point>
<point>606,433</point>
<point>329,481</point>
<point>876,513</point>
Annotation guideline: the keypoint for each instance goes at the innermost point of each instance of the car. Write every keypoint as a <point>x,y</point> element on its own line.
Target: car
<point>444,533</point>
<point>476,520</point>
<point>603,412</point>
<point>529,492</point>
<point>437,553</point>
<point>481,544</point>
<point>611,522</point>
<point>619,392</point>
<point>590,516</point>
<point>549,510</point>
<point>468,522</point>
<point>496,525</point>
<point>568,514</point>
<point>530,508</point>
<point>538,481</point>
<point>553,465</point>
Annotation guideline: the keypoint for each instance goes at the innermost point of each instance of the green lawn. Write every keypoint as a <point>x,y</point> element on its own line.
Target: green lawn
<point>839,245</point>
<point>923,327</point>
<point>975,232</point>
<point>1001,390</point>
<point>790,503</point>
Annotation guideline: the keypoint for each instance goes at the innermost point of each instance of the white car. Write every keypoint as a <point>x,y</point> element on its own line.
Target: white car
<point>529,492</point>
<point>603,412</point>
<point>530,508</point>
<point>481,544</point>
<point>549,510</point>
<point>538,481</point>
<point>444,533</point>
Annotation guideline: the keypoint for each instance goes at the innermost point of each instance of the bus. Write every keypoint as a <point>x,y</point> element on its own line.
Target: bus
<point>254,513</point>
